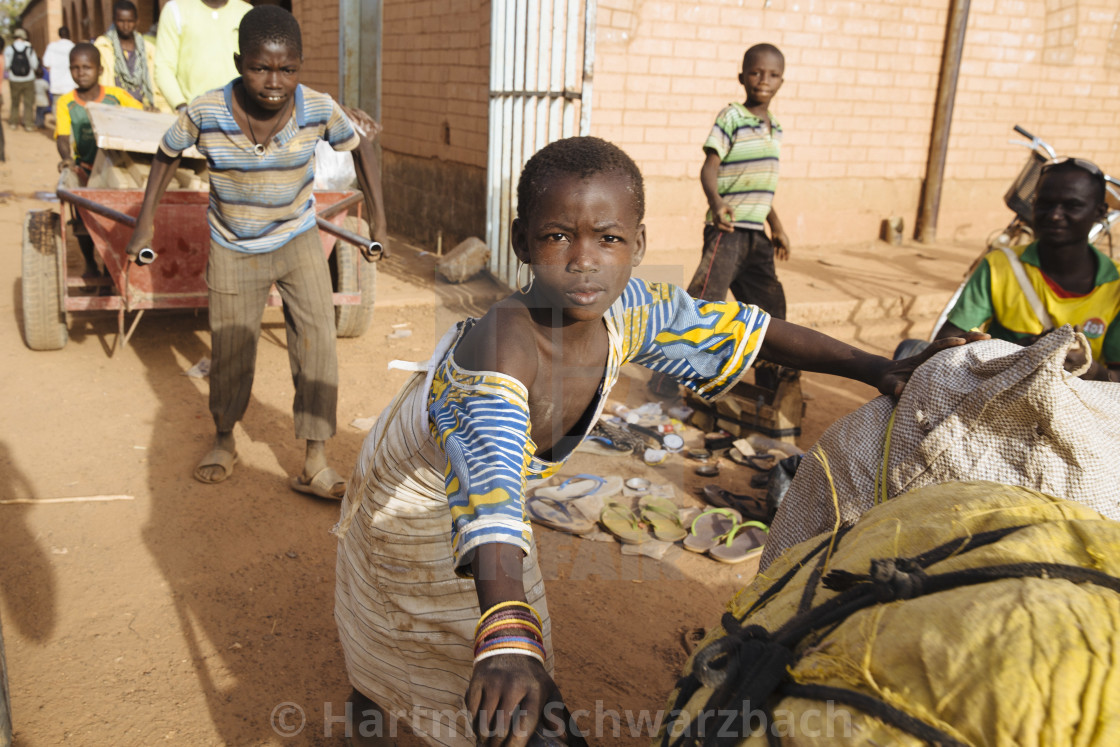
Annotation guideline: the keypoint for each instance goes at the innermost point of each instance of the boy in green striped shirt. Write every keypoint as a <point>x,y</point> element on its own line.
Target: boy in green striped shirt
<point>739,176</point>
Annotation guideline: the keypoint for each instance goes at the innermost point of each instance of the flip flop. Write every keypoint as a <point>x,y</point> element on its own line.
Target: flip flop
<point>555,514</point>
<point>743,542</point>
<point>623,523</point>
<point>663,517</point>
<point>709,527</point>
<point>582,486</point>
<point>760,462</point>
<point>321,484</point>
<point>749,507</point>
<point>216,458</point>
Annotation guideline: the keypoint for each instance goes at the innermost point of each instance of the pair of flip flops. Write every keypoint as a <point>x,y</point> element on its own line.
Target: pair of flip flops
<point>573,505</point>
<point>659,514</point>
<point>724,536</point>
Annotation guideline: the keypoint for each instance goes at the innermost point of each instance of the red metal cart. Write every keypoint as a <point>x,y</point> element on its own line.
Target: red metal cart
<point>177,279</point>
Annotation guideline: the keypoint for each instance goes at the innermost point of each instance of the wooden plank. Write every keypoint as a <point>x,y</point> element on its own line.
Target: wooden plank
<point>119,128</point>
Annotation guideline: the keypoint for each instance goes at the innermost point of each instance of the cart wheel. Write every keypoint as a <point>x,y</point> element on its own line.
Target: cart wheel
<point>44,320</point>
<point>350,273</point>
<point>5,701</point>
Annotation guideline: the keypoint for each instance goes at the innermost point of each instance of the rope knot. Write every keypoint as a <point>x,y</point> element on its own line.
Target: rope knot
<point>896,578</point>
<point>744,650</point>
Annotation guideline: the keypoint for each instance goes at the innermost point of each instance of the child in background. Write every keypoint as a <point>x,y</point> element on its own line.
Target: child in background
<point>42,97</point>
<point>739,177</point>
<point>258,134</point>
<point>127,59</point>
<point>438,589</point>
<point>73,130</point>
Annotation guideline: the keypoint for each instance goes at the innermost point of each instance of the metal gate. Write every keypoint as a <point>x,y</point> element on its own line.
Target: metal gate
<point>537,91</point>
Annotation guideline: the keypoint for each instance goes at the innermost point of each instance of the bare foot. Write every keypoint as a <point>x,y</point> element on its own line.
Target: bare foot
<point>217,465</point>
<point>315,463</point>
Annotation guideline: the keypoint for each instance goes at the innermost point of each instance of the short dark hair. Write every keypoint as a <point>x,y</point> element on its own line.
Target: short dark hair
<point>582,157</point>
<point>763,49</point>
<point>266,24</point>
<point>64,32</point>
<point>1074,165</point>
<point>124,5</point>
<point>85,48</point>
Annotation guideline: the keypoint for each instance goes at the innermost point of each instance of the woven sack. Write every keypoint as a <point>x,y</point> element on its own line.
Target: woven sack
<point>989,410</point>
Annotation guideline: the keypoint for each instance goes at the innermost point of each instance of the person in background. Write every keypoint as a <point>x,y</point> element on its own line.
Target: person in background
<point>1069,281</point>
<point>21,61</point>
<point>42,98</point>
<point>2,69</point>
<point>195,47</point>
<point>56,59</point>
<point>127,60</point>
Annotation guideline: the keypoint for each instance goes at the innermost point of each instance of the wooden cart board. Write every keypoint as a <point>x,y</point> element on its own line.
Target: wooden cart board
<point>131,130</point>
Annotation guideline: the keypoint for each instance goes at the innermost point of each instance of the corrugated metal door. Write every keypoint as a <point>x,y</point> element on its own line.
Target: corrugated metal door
<point>539,91</point>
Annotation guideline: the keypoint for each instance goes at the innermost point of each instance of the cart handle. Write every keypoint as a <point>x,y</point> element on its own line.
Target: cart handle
<point>371,250</point>
<point>94,207</point>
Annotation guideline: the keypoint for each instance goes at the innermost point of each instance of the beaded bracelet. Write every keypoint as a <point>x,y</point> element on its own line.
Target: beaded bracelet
<point>503,651</point>
<point>507,605</point>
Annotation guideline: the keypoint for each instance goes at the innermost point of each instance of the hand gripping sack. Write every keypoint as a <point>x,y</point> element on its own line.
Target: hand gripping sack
<point>988,410</point>
<point>959,614</point>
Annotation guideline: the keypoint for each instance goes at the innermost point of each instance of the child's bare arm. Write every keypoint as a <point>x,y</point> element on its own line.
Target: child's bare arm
<point>778,236</point>
<point>799,347</point>
<point>64,151</point>
<point>709,180</point>
<point>163,171</point>
<point>506,686</point>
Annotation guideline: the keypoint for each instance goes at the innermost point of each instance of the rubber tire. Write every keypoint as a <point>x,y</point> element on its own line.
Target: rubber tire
<point>350,273</point>
<point>5,699</point>
<point>44,320</point>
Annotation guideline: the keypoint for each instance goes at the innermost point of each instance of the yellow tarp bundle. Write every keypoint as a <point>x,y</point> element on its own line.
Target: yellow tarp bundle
<point>1030,660</point>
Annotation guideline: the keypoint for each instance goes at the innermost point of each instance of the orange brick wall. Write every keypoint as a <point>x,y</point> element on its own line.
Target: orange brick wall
<point>318,21</point>
<point>435,79</point>
<point>857,103</point>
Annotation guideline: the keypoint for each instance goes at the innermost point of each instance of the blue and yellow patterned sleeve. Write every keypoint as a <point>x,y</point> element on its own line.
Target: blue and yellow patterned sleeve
<point>705,345</point>
<point>183,134</point>
<point>481,421</point>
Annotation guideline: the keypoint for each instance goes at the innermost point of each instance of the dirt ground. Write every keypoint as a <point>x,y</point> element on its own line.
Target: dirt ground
<point>191,614</point>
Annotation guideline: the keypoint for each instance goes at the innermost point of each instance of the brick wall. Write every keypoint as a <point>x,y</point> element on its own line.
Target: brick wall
<point>318,21</point>
<point>435,78</point>
<point>857,103</point>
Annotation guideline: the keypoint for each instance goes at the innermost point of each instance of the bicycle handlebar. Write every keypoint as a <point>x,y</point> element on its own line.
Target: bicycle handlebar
<point>1024,133</point>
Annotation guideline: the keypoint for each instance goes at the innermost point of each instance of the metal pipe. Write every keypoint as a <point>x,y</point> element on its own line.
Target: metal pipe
<point>926,231</point>
<point>371,250</point>
<point>95,207</point>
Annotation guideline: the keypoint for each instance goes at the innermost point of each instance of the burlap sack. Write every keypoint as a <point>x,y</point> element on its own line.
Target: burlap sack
<point>986,411</point>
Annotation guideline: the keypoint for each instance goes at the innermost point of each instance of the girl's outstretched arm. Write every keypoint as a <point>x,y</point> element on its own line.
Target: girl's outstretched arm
<point>507,693</point>
<point>799,347</point>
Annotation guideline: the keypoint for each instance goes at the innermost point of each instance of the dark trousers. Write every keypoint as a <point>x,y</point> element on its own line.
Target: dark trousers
<point>239,284</point>
<point>22,92</point>
<point>741,261</point>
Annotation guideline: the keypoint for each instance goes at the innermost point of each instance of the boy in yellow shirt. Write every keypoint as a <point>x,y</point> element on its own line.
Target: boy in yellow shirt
<point>73,130</point>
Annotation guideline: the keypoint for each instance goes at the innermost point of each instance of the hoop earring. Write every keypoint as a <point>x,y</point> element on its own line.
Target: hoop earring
<point>522,288</point>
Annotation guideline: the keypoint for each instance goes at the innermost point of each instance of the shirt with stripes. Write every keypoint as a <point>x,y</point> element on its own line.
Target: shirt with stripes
<point>748,171</point>
<point>259,202</point>
<point>481,418</point>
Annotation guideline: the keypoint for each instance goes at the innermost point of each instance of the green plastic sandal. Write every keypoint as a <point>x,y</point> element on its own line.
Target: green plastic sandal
<point>709,527</point>
<point>623,523</point>
<point>664,518</point>
<point>745,541</point>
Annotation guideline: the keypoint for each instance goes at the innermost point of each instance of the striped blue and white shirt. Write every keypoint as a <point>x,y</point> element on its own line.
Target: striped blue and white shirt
<point>259,202</point>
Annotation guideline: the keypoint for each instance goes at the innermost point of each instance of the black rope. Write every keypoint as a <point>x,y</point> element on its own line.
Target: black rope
<point>871,705</point>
